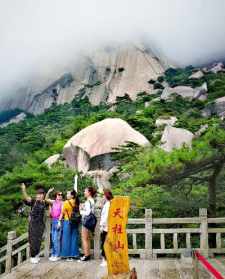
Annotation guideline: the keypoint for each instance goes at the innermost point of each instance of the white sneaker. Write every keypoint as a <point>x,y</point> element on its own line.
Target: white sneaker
<point>103,263</point>
<point>52,258</point>
<point>55,259</point>
<point>34,260</point>
<point>37,258</point>
<point>69,260</point>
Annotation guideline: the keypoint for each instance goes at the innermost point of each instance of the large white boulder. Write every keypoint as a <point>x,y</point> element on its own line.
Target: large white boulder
<point>170,120</point>
<point>217,107</point>
<point>175,138</point>
<point>197,75</point>
<point>186,92</point>
<point>52,160</point>
<point>100,139</point>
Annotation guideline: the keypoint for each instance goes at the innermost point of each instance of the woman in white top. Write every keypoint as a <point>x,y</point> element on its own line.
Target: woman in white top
<point>86,209</point>
<point>108,196</point>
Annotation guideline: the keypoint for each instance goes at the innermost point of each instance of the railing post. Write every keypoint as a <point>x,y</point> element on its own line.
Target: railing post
<point>97,236</point>
<point>47,236</point>
<point>148,234</point>
<point>10,238</point>
<point>204,232</point>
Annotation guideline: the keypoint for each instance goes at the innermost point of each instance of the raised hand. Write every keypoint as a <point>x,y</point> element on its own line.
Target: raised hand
<point>23,186</point>
<point>51,189</point>
<point>24,192</point>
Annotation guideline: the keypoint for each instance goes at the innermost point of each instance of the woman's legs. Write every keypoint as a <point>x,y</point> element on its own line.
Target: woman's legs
<point>56,236</point>
<point>35,237</point>
<point>66,239</point>
<point>103,238</point>
<point>74,252</point>
<point>86,241</point>
<point>58,242</point>
<point>53,236</point>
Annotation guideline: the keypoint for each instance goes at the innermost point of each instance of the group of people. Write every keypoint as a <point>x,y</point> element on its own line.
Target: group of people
<point>66,217</point>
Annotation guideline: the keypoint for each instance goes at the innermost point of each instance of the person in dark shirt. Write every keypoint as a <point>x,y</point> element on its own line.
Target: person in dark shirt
<point>36,221</point>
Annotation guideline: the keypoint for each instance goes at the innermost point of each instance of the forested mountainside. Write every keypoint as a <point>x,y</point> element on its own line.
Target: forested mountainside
<point>172,181</point>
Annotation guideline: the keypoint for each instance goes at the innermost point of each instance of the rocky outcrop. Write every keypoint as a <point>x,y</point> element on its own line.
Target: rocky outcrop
<point>90,149</point>
<point>197,75</point>
<point>134,68</point>
<point>201,131</point>
<point>20,117</point>
<point>52,160</point>
<point>199,93</point>
<point>174,138</point>
<point>170,120</point>
<point>50,95</point>
<point>215,68</point>
<point>101,178</point>
<point>215,108</point>
<point>102,76</point>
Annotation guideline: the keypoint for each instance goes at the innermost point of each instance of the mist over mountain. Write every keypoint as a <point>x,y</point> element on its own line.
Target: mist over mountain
<point>101,89</point>
<point>40,39</point>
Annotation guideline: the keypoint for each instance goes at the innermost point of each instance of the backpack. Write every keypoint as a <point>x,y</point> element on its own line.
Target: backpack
<point>90,221</point>
<point>75,218</point>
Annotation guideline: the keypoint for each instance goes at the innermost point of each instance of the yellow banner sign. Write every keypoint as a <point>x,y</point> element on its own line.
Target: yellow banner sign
<point>116,245</point>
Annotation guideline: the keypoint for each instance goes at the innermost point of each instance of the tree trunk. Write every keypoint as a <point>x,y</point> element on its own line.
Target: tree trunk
<point>212,189</point>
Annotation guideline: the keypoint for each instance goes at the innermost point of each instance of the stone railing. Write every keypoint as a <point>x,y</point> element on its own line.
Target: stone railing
<point>180,234</point>
<point>17,249</point>
<point>147,237</point>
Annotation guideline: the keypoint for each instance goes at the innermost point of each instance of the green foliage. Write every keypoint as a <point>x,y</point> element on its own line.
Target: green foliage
<point>216,85</point>
<point>24,147</point>
<point>148,164</point>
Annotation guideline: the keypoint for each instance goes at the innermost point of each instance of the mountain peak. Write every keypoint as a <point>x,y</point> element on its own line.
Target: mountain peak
<point>102,76</point>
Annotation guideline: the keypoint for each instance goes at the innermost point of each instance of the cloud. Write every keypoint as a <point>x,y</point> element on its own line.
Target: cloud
<point>39,36</point>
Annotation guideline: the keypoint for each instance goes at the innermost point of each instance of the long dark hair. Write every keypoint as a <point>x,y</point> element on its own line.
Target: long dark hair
<point>92,191</point>
<point>75,196</point>
<point>108,194</point>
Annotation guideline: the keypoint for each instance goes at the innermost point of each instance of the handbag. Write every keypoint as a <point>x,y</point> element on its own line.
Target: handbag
<point>90,221</point>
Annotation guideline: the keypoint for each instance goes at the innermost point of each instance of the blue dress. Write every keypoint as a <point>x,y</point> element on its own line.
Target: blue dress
<point>70,232</point>
<point>70,243</point>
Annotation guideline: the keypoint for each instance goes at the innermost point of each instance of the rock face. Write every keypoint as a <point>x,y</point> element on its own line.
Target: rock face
<point>52,160</point>
<point>20,117</point>
<point>217,108</point>
<point>201,131</point>
<point>199,74</point>
<point>101,178</point>
<point>215,68</point>
<point>166,121</point>
<point>186,92</point>
<point>50,95</point>
<point>174,138</point>
<point>90,149</point>
<point>101,76</point>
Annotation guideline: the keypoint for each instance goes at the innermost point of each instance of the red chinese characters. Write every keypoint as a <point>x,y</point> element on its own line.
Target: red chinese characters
<point>117,229</point>
<point>118,245</point>
<point>118,213</point>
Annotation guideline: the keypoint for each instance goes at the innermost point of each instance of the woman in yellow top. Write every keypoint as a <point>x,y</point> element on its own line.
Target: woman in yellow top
<point>70,232</point>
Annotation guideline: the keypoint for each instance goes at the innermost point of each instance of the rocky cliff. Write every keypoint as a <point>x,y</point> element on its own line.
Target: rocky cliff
<point>102,76</point>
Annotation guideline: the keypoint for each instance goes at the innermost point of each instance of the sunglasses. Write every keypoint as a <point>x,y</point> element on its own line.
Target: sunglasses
<point>60,194</point>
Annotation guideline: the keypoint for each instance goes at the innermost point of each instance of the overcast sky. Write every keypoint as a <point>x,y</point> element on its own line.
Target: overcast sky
<point>35,34</point>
